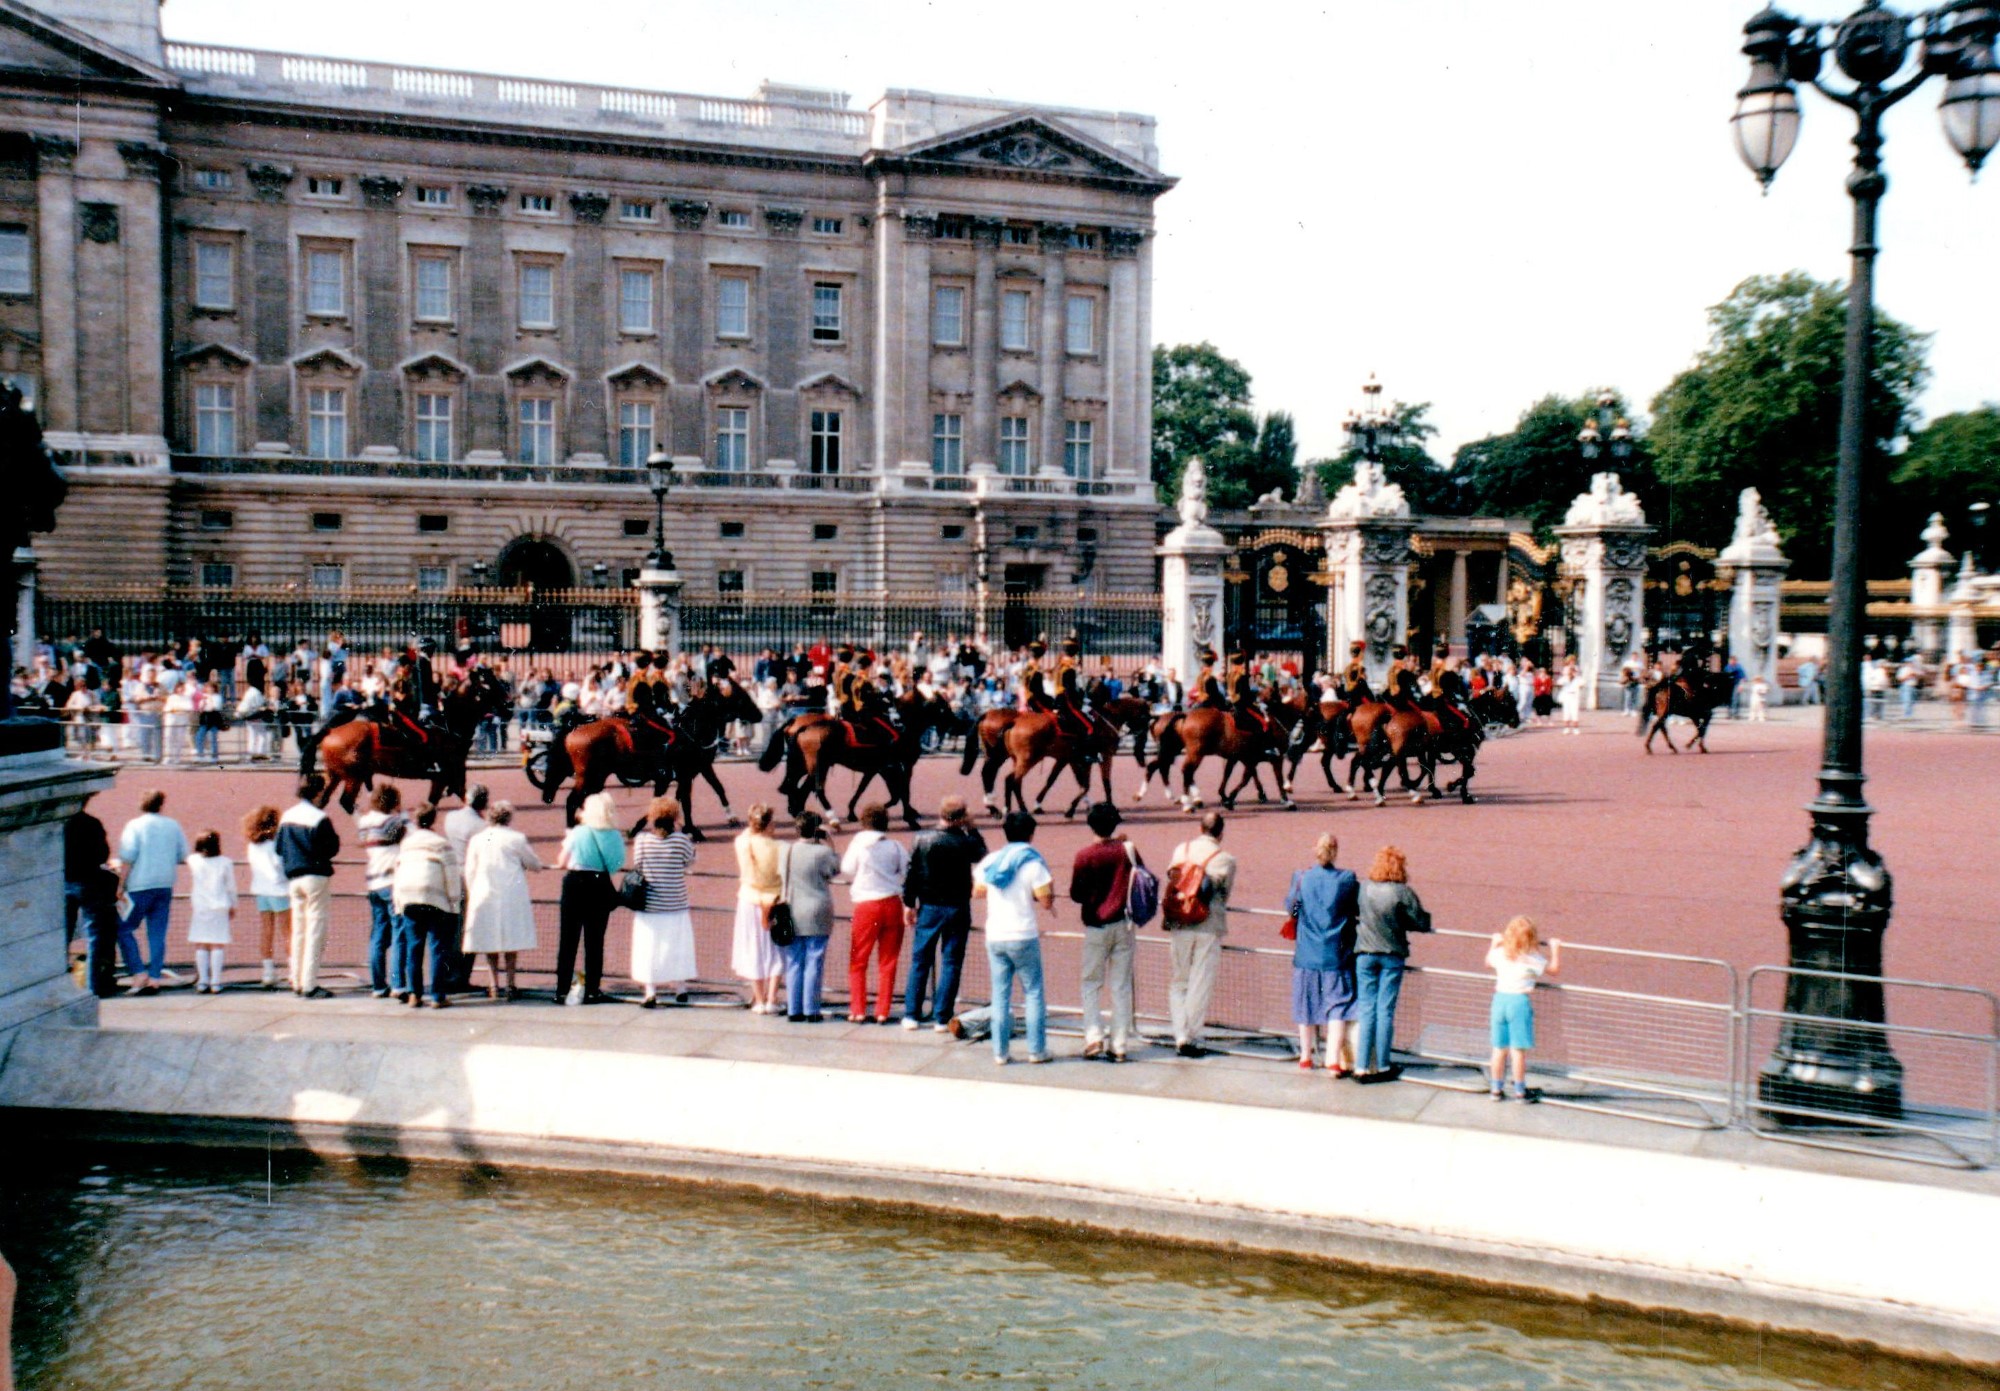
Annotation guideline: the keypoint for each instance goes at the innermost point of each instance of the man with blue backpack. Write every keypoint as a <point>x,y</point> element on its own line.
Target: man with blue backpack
<point>1100,884</point>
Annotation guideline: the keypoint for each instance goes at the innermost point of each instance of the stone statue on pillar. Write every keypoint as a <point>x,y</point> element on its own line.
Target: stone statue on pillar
<point>1603,539</point>
<point>1760,565</point>
<point>1191,556</point>
<point>1368,528</point>
<point>1927,569</point>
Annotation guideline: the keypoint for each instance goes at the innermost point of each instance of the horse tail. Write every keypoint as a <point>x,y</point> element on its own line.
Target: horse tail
<point>775,748</point>
<point>1646,706</point>
<point>309,752</point>
<point>1139,739</point>
<point>973,748</point>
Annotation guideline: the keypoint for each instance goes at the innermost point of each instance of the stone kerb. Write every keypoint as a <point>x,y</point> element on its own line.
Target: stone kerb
<point>1368,528</point>
<point>1603,540</point>
<point>1759,566</point>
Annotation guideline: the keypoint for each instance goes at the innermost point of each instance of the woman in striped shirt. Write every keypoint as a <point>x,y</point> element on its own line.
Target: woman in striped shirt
<point>663,932</point>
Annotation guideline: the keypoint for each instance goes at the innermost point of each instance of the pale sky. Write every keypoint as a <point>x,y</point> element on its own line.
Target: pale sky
<point>1480,201</point>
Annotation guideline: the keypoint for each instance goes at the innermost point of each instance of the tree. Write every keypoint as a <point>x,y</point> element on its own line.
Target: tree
<point>1951,463</point>
<point>1760,408</point>
<point>1407,463</point>
<point>1536,469</point>
<point>1201,409</point>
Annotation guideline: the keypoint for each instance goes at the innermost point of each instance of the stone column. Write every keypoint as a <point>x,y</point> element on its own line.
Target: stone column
<point>687,328</point>
<point>25,567</point>
<point>659,608</point>
<point>903,341</point>
<point>55,210</point>
<point>1455,624</point>
<point>39,792</point>
<point>1604,547</point>
<point>145,291</point>
<point>1927,569</point>
<point>268,298</point>
<point>378,296</point>
<point>1962,634</point>
<point>1753,605</point>
<point>484,325</point>
<point>1054,237</point>
<point>1368,531</point>
<point>1191,581</point>
<point>589,328</point>
<point>980,444</point>
<point>1126,454</point>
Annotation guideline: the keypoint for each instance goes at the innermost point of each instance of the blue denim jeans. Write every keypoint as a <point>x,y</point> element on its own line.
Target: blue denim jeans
<point>207,743</point>
<point>1908,695</point>
<point>1378,983</point>
<point>805,966</point>
<point>151,907</point>
<point>940,935</point>
<point>1023,960</point>
<point>426,925</point>
<point>385,964</point>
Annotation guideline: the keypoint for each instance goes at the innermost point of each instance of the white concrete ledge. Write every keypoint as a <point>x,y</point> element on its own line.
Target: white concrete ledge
<point>1900,1265</point>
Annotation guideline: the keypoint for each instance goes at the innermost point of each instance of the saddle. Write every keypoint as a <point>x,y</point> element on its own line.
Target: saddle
<point>869,731</point>
<point>1251,720</point>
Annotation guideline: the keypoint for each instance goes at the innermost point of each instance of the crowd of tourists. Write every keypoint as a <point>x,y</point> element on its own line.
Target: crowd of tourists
<point>447,891</point>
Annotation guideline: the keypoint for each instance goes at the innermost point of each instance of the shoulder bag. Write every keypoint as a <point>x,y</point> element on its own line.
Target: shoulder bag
<point>632,888</point>
<point>778,917</point>
<point>1142,892</point>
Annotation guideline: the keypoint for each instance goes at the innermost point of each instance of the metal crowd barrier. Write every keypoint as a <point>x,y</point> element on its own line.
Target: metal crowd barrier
<point>1947,1105</point>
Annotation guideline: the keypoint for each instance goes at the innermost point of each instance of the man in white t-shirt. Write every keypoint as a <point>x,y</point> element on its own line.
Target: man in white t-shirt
<point>1016,884</point>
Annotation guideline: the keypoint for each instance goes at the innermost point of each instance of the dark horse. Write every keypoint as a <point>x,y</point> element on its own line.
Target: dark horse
<point>811,746</point>
<point>1027,739</point>
<point>1206,732</point>
<point>354,754</point>
<point>1693,693</point>
<point>1390,735</point>
<point>600,750</point>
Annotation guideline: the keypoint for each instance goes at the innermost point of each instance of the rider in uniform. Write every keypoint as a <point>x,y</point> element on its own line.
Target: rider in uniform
<point>648,703</point>
<point>862,704</point>
<point>1034,681</point>
<point>1209,684</point>
<point>1073,716</point>
<point>1447,697</point>
<point>1402,680</point>
<point>838,679</point>
<point>1354,676</point>
<point>1245,699</point>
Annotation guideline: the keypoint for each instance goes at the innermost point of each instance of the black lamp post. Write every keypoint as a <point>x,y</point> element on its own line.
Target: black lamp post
<point>1606,429</point>
<point>1836,892</point>
<point>1373,427</point>
<point>660,465</point>
<point>1978,512</point>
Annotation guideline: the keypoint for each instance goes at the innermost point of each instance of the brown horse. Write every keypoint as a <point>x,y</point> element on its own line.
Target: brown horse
<point>1206,732</point>
<point>1029,738</point>
<point>811,746</point>
<point>354,754</point>
<point>599,750</point>
<point>1694,694</point>
<point>1391,735</point>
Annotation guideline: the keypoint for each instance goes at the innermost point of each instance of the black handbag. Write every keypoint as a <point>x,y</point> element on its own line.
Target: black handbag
<point>632,891</point>
<point>778,917</point>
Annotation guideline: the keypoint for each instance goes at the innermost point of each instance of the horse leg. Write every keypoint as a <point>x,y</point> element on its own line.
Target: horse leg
<point>1701,731</point>
<point>684,791</point>
<point>1667,734</point>
<point>1055,772</point>
<point>1082,772</point>
<point>707,774</point>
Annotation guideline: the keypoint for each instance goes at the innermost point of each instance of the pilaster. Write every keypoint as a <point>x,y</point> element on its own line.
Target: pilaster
<point>486,332</point>
<point>1054,237</point>
<point>379,301</point>
<point>985,331</point>
<point>589,327</point>
<point>55,284</point>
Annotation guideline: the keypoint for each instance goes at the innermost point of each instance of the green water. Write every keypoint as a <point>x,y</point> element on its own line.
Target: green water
<point>233,1270</point>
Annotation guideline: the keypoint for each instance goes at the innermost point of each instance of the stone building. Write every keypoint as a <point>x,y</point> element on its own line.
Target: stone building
<point>298,321</point>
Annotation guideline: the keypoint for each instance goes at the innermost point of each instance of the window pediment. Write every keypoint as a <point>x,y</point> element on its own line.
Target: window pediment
<point>1027,143</point>
<point>732,380</point>
<point>1019,391</point>
<point>216,357</point>
<point>434,367</point>
<point>335,360</point>
<point>830,384</point>
<point>636,376</point>
<point>536,371</point>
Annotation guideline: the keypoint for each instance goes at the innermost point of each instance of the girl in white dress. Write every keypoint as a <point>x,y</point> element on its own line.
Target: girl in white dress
<point>212,901</point>
<point>1570,694</point>
<point>269,887</point>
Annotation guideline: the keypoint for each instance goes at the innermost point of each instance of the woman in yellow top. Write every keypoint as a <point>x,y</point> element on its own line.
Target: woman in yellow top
<point>753,955</point>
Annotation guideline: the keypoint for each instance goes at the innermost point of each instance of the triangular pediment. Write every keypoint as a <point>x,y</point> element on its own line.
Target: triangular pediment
<point>329,360</point>
<point>536,369</point>
<point>636,376</point>
<point>432,365</point>
<point>34,42</point>
<point>1030,144</point>
<point>732,379</point>
<point>1021,389</point>
<point>830,381</point>
<point>216,355</point>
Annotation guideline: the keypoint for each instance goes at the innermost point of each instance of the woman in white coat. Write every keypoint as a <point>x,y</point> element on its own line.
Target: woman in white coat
<point>499,914</point>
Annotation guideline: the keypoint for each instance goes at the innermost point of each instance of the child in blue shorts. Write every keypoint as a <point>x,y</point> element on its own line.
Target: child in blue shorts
<point>1517,960</point>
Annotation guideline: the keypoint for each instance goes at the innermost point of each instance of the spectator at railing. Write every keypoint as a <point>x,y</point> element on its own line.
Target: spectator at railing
<point>211,717</point>
<point>1389,912</point>
<point>1323,901</point>
<point>1015,882</point>
<point>268,887</point>
<point>806,871</point>
<point>592,854</point>
<point>1517,961</point>
<point>177,720</point>
<point>663,931</point>
<point>874,866</point>
<point>426,896</point>
<point>253,712</point>
<point>307,845</point>
<point>151,848</point>
<point>1197,947</point>
<point>938,892</point>
<point>499,911</point>
<point>753,955</point>
<point>381,829</point>
<point>212,907</point>
<point>90,893</point>
<point>1100,884</point>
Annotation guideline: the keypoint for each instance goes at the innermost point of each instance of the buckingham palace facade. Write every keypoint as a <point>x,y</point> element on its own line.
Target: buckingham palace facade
<point>302,321</point>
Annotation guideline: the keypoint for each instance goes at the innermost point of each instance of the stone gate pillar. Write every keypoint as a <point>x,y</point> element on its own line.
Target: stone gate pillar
<point>1191,582</point>
<point>26,576</point>
<point>1368,528</point>
<point>1604,547</point>
<point>1927,569</point>
<point>1753,604</point>
<point>659,609</point>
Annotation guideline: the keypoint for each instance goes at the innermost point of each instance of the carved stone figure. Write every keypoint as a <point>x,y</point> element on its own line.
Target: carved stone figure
<point>1753,524</point>
<point>1606,504</point>
<point>1369,495</point>
<point>1625,553</point>
<point>1380,605</point>
<point>1194,494</point>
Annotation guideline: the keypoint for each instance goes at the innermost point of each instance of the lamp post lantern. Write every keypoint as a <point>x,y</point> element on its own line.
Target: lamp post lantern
<point>660,466</point>
<point>1373,427</point>
<point>1978,512</point>
<point>1835,895</point>
<point>1606,429</point>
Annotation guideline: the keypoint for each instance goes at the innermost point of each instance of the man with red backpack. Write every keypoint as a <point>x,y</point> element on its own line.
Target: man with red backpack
<point>1195,911</point>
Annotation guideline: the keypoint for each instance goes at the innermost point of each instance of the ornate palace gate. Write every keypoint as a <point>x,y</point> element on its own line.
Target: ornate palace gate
<point>1276,597</point>
<point>1685,598</point>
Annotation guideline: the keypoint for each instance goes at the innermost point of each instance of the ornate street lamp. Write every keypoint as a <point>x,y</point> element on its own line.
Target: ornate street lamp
<point>660,466</point>
<point>1978,512</point>
<point>1373,427</point>
<point>1606,426</point>
<point>1836,892</point>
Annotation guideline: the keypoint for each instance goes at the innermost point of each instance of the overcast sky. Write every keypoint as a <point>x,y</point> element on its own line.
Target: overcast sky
<point>1481,202</point>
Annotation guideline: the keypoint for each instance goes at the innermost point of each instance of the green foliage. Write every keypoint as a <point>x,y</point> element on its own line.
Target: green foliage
<point>1537,469</point>
<point>1951,463</point>
<point>1201,409</point>
<point>1407,463</point>
<point>1760,408</point>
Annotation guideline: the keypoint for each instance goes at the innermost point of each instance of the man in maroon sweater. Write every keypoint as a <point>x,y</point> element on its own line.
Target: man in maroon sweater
<point>1099,884</point>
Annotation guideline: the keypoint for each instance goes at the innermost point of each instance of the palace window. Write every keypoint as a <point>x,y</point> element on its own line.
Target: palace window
<point>1016,314</point>
<point>823,453</point>
<point>212,178</point>
<point>1079,444</point>
<point>729,587</point>
<point>214,419</point>
<point>539,203</point>
<point>433,521</point>
<point>17,274</point>
<point>952,531</point>
<point>948,444</point>
<point>434,427</point>
<point>732,439</point>
<point>433,196</point>
<point>635,301</point>
<point>827,323</point>
<point>637,210</point>
<point>325,186</point>
<point>1082,241</point>
<point>638,526</point>
<point>954,228</point>
<point>433,579</point>
<point>732,217</point>
<point>1015,234</point>
<point>217,519</point>
<point>948,316</point>
<point>326,422</point>
<point>326,283</point>
<point>1080,325</point>
<point>326,521</point>
<point>827,226</point>
<point>732,307</point>
<point>218,574</point>
<point>635,433</point>
<point>434,289</point>
<point>214,275</point>
<point>537,442</point>
<point>325,577</point>
<point>731,531</point>
<point>826,531</point>
<point>1016,457</point>
<point>538,295</point>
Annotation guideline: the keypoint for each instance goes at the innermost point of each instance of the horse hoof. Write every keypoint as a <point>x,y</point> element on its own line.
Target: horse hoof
<point>734,820</point>
<point>1354,795</point>
<point>1380,800</point>
<point>1416,799</point>
<point>1290,805</point>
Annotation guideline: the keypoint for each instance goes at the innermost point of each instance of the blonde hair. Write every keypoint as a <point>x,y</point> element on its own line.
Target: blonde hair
<point>759,818</point>
<point>599,813</point>
<point>1390,867</point>
<point>1519,937</point>
<point>1325,848</point>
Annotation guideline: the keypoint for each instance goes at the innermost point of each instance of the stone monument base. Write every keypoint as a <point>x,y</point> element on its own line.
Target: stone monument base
<point>39,792</point>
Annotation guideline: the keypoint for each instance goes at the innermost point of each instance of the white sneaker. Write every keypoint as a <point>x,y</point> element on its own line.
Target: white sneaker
<point>940,1028</point>
<point>909,1024</point>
